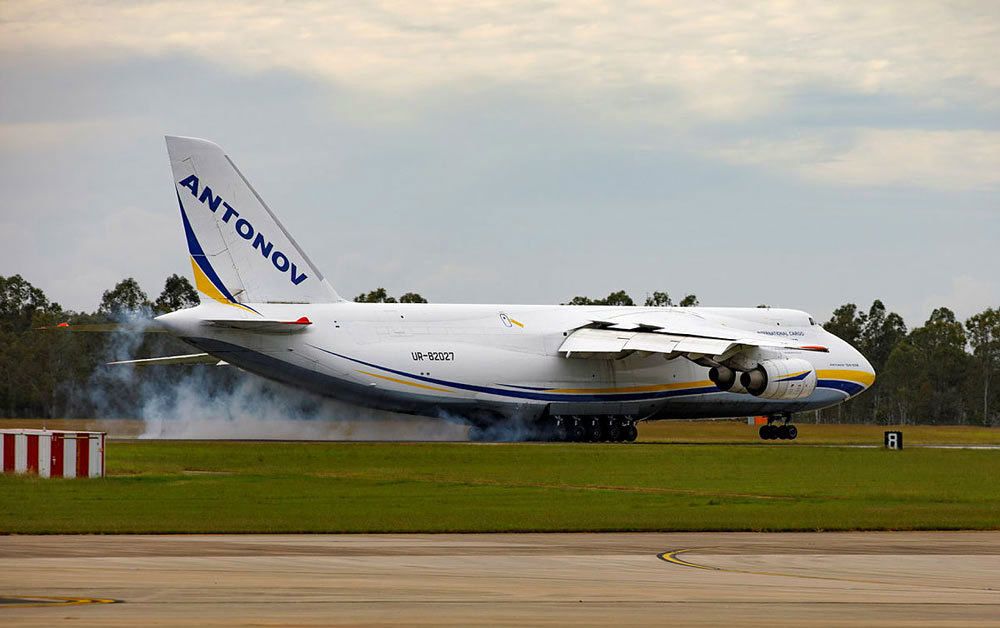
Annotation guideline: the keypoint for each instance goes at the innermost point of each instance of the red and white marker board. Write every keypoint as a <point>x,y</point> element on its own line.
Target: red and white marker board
<point>53,453</point>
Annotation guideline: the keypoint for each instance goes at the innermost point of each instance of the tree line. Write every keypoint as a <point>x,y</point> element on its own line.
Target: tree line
<point>944,371</point>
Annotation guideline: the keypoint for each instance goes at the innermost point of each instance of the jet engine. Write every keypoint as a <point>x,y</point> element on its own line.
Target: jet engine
<point>726,378</point>
<point>788,378</point>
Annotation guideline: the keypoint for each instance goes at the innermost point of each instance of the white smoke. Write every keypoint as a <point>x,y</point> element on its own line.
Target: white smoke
<point>258,409</point>
<point>199,402</point>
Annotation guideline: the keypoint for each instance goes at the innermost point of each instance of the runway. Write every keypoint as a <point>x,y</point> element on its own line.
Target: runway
<point>885,578</point>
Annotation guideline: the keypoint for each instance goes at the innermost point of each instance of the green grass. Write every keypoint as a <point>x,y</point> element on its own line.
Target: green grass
<point>163,487</point>
<point>813,434</point>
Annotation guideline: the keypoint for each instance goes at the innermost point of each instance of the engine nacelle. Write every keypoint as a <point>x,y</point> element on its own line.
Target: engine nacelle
<point>726,378</point>
<point>789,378</point>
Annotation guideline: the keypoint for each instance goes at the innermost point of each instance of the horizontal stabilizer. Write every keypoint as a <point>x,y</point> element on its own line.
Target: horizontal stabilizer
<point>262,325</point>
<point>191,358</point>
<point>145,328</point>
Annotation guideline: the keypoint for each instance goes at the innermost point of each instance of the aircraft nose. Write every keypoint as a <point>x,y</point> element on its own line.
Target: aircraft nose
<point>867,370</point>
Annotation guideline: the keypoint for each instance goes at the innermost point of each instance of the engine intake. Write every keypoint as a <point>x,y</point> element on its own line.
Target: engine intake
<point>789,378</point>
<point>726,379</point>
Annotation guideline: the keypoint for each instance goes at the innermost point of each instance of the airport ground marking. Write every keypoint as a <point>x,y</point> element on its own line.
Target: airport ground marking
<point>40,601</point>
<point>672,557</point>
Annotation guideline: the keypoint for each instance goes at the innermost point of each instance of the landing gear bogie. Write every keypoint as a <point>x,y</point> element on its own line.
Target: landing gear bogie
<point>593,429</point>
<point>785,431</point>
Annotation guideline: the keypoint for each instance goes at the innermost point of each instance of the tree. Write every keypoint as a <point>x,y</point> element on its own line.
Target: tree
<point>659,299</point>
<point>846,323</point>
<point>618,298</point>
<point>19,301</point>
<point>178,293</point>
<point>984,336</point>
<point>125,298</point>
<point>941,344</point>
<point>879,333</point>
<point>412,297</point>
<point>689,301</point>
<point>615,298</point>
<point>379,295</point>
<point>905,384</point>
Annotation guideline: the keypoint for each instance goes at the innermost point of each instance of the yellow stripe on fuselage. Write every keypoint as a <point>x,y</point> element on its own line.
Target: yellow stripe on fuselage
<point>632,389</point>
<point>849,375</point>
<point>403,381</point>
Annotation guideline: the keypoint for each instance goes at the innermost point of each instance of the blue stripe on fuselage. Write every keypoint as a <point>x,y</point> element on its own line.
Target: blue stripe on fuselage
<point>539,396</point>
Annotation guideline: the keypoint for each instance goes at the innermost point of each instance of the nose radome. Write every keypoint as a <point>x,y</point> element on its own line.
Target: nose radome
<point>868,370</point>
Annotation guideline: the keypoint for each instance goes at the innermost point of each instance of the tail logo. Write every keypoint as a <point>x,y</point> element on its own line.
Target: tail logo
<point>244,229</point>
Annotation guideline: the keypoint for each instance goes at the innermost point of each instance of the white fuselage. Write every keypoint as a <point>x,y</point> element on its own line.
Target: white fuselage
<point>486,362</point>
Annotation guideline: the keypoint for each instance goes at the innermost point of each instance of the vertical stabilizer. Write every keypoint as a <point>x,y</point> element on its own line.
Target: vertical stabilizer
<point>240,252</point>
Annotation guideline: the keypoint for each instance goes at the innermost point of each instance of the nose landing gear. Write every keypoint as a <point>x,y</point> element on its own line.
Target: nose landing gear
<point>785,431</point>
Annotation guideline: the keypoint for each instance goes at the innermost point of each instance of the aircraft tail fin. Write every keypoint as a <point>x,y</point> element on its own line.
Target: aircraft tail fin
<point>240,252</point>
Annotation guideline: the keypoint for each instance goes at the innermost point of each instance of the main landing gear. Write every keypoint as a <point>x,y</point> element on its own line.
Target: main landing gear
<point>593,429</point>
<point>785,431</point>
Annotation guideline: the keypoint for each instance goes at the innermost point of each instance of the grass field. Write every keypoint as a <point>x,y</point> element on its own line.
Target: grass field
<point>730,431</point>
<point>810,433</point>
<point>204,486</point>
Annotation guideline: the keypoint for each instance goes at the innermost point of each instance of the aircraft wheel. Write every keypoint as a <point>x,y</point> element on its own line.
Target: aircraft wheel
<point>764,432</point>
<point>612,430</point>
<point>594,430</point>
<point>781,432</point>
<point>631,433</point>
<point>559,430</point>
<point>561,433</point>
<point>792,432</point>
<point>577,432</point>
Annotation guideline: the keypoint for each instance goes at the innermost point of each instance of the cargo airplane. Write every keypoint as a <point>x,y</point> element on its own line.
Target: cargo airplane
<point>575,373</point>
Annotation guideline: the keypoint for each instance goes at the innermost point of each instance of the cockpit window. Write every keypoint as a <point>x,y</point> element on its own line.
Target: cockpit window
<point>811,321</point>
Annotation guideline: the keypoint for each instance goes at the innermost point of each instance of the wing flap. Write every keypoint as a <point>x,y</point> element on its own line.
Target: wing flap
<point>589,340</point>
<point>654,343</point>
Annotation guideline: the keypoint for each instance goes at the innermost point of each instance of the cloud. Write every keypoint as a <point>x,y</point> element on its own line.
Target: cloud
<point>938,159</point>
<point>724,60</point>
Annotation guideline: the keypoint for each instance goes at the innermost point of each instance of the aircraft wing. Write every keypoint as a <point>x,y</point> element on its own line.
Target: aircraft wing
<point>673,335</point>
<point>190,358</point>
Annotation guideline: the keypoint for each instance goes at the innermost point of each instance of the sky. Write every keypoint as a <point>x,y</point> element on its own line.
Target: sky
<point>797,154</point>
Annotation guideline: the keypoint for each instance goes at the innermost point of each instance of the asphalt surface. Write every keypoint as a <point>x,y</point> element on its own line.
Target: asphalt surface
<point>883,578</point>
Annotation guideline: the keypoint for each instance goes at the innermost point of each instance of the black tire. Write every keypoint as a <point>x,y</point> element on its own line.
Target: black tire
<point>780,432</point>
<point>631,433</point>
<point>594,431</point>
<point>560,432</point>
<point>764,432</point>
<point>612,430</point>
<point>793,432</point>
<point>577,432</point>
